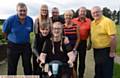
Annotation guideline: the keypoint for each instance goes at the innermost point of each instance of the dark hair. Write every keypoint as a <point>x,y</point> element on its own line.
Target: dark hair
<point>55,8</point>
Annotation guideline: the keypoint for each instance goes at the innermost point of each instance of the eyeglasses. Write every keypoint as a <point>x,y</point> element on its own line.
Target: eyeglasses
<point>68,15</point>
<point>57,28</point>
<point>96,12</point>
<point>44,10</point>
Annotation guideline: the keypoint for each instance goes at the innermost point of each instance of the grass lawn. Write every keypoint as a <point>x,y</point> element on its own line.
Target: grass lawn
<point>116,71</point>
<point>118,40</point>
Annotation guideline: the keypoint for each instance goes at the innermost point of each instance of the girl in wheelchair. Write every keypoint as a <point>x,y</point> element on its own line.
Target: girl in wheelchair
<point>55,49</point>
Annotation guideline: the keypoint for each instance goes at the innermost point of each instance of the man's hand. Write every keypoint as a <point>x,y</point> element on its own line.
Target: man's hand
<point>89,46</point>
<point>113,43</point>
<point>112,54</point>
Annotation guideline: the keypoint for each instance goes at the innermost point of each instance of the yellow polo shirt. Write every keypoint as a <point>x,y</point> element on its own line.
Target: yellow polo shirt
<point>101,31</point>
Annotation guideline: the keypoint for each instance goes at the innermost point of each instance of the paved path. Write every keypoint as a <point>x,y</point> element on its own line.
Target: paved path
<point>89,70</point>
<point>117,59</point>
<point>3,69</point>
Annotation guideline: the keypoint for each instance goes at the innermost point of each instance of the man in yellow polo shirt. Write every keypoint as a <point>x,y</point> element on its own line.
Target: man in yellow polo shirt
<point>103,38</point>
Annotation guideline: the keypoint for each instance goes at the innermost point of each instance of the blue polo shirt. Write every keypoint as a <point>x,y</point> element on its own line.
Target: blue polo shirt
<point>16,31</point>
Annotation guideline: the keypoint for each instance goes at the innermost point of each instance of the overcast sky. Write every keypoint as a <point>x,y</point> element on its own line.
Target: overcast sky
<point>8,7</point>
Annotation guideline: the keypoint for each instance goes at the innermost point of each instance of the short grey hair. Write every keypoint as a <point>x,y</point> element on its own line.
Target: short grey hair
<point>21,4</point>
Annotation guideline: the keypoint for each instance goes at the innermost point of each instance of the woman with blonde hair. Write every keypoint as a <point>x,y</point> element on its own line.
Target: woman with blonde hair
<point>42,17</point>
<point>56,49</point>
<point>42,32</point>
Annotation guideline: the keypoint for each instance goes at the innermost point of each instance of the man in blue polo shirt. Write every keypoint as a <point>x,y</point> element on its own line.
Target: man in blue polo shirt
<point>16,30</point>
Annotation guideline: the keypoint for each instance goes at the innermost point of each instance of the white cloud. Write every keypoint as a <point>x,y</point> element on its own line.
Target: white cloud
<point>8,7</point>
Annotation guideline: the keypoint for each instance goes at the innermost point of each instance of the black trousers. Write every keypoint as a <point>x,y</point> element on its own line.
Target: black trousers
<point>37,70</point>
<point>103,63</point>
<point>14,52</point>
<point>66,72</point>
<point>82,54</point>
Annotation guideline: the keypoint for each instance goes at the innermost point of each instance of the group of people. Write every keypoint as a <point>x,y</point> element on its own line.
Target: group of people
<point>60,39</point>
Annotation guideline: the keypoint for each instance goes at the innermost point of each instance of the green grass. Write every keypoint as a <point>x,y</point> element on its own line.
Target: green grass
<point>118,40</point>
<point>116,73</point>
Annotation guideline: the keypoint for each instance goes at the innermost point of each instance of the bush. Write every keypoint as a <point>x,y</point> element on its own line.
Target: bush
<point>2,40</point>
<point>1,21</point>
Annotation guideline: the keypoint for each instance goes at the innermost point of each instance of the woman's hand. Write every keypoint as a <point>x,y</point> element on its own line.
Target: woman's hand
<point>71,56</point>
<point>66,40</point>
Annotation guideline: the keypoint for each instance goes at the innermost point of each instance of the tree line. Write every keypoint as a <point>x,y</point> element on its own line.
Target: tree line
<point>114,15</point>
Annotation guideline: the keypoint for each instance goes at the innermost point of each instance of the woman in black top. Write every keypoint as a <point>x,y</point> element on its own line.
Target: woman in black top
<point>55,49</point>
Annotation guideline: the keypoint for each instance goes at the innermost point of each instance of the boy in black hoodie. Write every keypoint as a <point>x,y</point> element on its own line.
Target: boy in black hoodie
<point>40,37</point>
